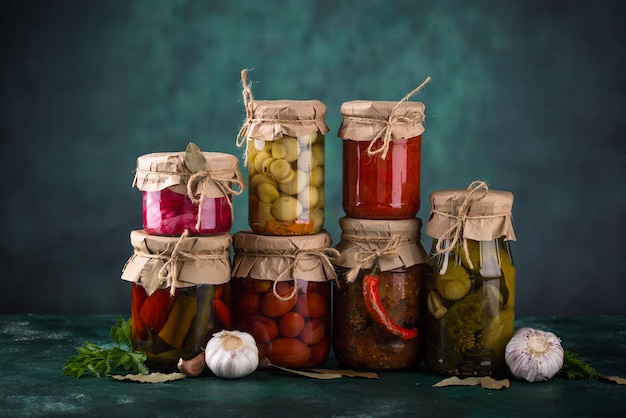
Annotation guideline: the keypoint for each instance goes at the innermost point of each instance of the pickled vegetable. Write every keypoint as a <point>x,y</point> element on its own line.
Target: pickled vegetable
<point>288,324</point>
<point>286,181</point>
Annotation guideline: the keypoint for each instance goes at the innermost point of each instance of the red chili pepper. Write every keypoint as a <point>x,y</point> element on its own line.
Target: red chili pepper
<point>377,310</point>
<point>222,312</point>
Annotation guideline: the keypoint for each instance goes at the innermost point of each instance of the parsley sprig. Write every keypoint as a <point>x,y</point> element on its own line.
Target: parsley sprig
<point>98,361</point>
<point>574,368</point>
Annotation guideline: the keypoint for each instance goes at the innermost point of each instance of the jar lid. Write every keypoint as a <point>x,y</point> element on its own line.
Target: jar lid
<point>475,213</point>
<point>273,119</point>
<point>281,258</point>
<point>366,120</point>
<point>164,261</point>
<point>158,171</point>
<point>390,243</point>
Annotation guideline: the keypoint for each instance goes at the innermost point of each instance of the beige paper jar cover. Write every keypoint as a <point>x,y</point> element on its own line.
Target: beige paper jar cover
<point>161,170</point>
<point>162,261</point>
<point>392,244</point>
<point>365,120</point>
<point>477,213</point>
<point>283,258</point>
<point>273,119</point>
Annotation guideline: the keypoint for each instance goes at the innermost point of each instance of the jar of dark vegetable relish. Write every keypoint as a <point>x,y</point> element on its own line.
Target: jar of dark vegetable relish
<point>470,287</point>
<point>381,158</point>
<point>180,295</point>
<point>377,300</point>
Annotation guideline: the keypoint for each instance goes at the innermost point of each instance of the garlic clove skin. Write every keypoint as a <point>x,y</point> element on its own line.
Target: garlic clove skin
<point>193,366</point>
<point>232,354</point>
<point>534,355</point>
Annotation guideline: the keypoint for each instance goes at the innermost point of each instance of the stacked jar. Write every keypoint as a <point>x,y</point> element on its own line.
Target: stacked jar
<point>180,267</point>
<point>471,282</point>
<point>377,302</point>
<point>281,269</point>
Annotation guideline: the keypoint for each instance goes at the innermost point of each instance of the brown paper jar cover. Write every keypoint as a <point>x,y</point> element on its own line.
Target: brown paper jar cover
<point>488,217</point>
<point>200,260</point>
<point>365,120</point>
<point>368,236</point>
<point>273,119</point>
<point>266,257</point>
<point>161,170</point>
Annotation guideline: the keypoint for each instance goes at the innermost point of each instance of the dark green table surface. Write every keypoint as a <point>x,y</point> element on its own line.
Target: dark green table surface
<point>34,348</point>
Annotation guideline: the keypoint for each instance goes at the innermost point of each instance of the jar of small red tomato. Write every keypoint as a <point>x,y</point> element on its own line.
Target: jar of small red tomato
<point>180,294</point>
<point>381,158</point>
<point>377,302</point>
<point>189,190</point>
<point>281,295</point>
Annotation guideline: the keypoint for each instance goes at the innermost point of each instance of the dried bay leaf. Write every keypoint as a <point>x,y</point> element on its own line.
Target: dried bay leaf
<point>491,383</point>
<point>484,382</point>
<point>349,373</point>
<point>149,378</point>
<point>150,279</point>
<point>194,160</point>
<point>615,379</point>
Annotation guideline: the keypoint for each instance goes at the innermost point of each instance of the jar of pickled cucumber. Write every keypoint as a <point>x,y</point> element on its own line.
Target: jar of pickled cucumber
<point>470,289</point>
<point>180,294</point>
<point>381,158</point>
<point>189,190</point>
<point>377,301</point>
<point>281,295</point>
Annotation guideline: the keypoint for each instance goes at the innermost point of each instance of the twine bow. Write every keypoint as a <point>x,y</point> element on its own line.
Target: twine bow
<point>225,186</point>
<point>368,256</point>
<point>391,121</point>
<point>456,230</point>
<point>248,103</point>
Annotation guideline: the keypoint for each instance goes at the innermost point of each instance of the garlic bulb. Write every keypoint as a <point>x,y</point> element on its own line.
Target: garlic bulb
<point>232,354</point>
<point>534,355</point>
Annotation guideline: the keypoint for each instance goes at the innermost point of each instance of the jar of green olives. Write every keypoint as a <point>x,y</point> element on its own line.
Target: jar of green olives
<point>179,294</point>
<point>470,287</point>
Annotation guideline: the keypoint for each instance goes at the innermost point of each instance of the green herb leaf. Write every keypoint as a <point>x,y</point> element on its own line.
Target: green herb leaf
<point>574,368</point>
<point>194,160</point>
<point>98,361</point>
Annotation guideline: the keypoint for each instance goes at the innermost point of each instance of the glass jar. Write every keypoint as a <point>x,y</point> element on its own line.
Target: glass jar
<point>377,302</point>
<point>175,305</point>
<point>381,168</point>
<point>286,170</point>
<point>170,207</point>
<point>470,289</point>
<point>282,297</point>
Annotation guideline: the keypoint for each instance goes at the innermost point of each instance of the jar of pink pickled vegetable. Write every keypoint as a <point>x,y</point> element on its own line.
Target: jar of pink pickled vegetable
<point>189,190</point>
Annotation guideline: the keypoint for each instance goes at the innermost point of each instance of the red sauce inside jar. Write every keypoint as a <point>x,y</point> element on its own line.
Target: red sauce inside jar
<point>377,188</point>
<point>169,213</point>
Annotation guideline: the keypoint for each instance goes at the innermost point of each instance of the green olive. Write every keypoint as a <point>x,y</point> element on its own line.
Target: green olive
<point>297,184</point>
<point>286,208</point>
<point>318,152</point>
<point>267,192</point>
<point>286,147</point>
<point>259,159</point>
<point>320,197</point>
<point>317,176</point>
<point>260,178</point>
<point>279,169</point>
<point>309,197</point>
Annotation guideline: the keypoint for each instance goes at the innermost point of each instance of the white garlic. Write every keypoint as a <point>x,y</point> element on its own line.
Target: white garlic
<point>534,355</point>
<point>232,354</point>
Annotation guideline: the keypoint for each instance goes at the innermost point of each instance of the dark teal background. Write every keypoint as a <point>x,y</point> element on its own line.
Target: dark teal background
<point>526,95</point>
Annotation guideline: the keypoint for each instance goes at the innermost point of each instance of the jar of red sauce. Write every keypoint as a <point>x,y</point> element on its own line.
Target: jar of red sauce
<point>377,302</point>
<point>170,207</point>
<point>381,158</point>
<point>281,295</point>
<point>180,294</point>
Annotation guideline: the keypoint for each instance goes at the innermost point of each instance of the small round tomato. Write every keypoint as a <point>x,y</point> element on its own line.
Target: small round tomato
<point>289,352</point>
<point>273,306</point>
<point>291,324</point>
<point>313,331</point>
<point>319,351</point>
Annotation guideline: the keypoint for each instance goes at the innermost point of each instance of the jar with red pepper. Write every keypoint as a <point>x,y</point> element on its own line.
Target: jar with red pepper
<point>377,300</point>
<point>381,158</point>
<point>188,191</point>
<point>180,294</point>
<point>281,295</point>
<point>470,289</point>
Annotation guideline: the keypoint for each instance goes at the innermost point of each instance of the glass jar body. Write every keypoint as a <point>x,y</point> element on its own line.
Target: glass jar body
<point>358,340</point>
<point>294,332</point>
<point>167,327</point>
<point>470,309</point>
<point>286,185</point>
<point>377,188</point>
<point>166,212</point>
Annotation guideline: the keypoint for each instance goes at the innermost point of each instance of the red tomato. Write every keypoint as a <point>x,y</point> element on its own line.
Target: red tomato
<point>289,352</point>
<point>319,351</point>
<point>247,303</point>
<point>312,305</point>
<point>313,331</point>
<point>291,324</point>
<point>272,306</point>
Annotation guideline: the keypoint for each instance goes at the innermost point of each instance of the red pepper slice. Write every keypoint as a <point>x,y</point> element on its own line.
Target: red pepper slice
<point>377,310</point>
<point>222,312</point>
